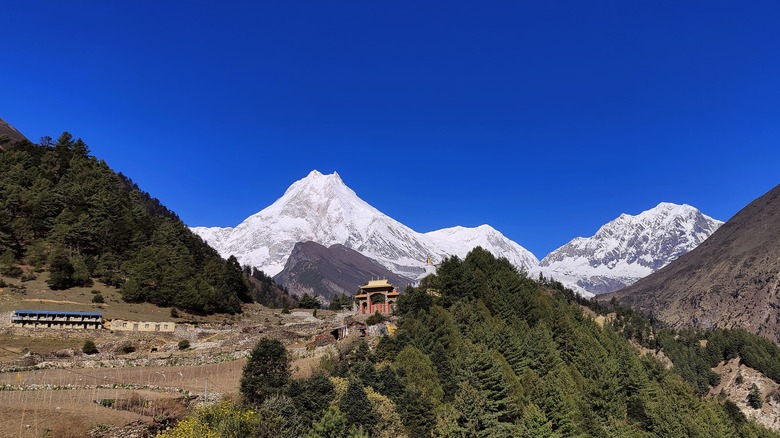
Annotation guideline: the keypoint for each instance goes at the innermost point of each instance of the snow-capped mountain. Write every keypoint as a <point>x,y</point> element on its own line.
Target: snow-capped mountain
<point>460,240</point>
<point>322,209</point>
<point>628,248</point>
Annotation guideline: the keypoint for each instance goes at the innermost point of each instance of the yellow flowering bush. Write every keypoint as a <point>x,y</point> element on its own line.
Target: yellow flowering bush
<point>220,420</point>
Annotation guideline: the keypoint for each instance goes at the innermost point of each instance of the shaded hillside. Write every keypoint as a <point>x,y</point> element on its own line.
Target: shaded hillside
<point>730,280</point>
<point>67,212</point>
<point>265,291</point>
<point>9,134</point>
<point>328,272</point>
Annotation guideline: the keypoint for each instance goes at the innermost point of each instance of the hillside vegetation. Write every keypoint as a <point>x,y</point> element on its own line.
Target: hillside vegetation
<point>67,212</point>
<point>494,354</point>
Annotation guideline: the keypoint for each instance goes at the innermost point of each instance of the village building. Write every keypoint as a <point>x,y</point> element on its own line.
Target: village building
<point>350,327</point>
<point>375,296</point>
<point>56,319</point>
<point>140,326</point>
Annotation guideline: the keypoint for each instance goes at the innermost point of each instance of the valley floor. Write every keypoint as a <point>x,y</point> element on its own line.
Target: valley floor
<point>48,386</point>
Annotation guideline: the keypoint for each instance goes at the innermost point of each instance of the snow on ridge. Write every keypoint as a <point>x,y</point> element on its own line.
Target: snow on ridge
<point>321,208</point>
<point>629,247</point>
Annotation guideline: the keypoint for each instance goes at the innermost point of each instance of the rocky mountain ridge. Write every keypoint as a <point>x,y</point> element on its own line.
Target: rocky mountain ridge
<point>330,271</point>
<point>628,248</point>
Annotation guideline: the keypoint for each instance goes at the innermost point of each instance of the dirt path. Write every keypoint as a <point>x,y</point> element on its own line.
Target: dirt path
<point>42,300</point>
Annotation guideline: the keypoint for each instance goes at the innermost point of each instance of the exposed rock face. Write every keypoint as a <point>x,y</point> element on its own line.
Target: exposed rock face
<point>327,272</point>
<point>628,248</point>
<point>736,380</point>
<point>12,133</point>
<point>321,208</point>
<point>731,280</point>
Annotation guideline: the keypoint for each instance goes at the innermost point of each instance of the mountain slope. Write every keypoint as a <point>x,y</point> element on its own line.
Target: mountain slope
<point>328,272</point>
<point>13,134</point>
<point>65,211</point>
<point>731,280</point>
<point>322,209</point>
<point>629,248</point>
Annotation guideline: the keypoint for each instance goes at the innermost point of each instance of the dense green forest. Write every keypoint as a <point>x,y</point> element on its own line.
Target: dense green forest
<point>265,291</point>
<point>695,352</point>
<point>493,354</point>
<point>67,212</point>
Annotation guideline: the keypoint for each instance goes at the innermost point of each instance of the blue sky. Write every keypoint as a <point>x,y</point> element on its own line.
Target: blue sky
<point>545,119</point>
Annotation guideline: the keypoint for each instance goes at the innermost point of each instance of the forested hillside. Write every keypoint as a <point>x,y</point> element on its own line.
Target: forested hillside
<point>66,212</point>
<point>497,354</point>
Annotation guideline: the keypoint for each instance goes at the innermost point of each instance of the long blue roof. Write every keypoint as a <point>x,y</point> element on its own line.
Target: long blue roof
<point>53,312</point>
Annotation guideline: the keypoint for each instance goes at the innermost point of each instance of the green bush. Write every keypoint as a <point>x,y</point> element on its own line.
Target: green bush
<point>127,347</point>
<point>98,298</point>
<point>11,271</point>
<point>376,318</point>
<point>184,344</point>
<point>89,347</point>
<point>308,302</point>
<point>174,312</point>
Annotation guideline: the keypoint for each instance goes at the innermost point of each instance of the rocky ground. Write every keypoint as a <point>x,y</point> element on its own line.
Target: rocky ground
<point>735,384</point>
<point>50,388</point>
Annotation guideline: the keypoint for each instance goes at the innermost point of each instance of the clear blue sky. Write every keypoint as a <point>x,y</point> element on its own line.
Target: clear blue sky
<point>545,119</point>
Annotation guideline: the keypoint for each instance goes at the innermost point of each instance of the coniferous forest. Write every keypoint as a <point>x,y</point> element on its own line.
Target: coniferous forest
<point>492,353</point>
<point>67,212</point>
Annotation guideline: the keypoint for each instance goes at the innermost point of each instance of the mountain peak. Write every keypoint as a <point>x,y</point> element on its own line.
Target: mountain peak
<point>629,247</point>
<point>316,175</point>
<point>322,209</point>
<point>319,184</point>
<point>672,208</point>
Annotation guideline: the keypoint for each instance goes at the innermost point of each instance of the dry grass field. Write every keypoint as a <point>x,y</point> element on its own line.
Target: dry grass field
<point>49,388</point>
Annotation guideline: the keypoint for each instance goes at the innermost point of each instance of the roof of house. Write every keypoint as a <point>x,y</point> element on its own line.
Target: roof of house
<point>376,284</point>
<point>54,312</point>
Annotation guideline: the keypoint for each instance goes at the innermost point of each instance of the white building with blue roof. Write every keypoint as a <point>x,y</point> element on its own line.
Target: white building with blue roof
<point>55,319</point>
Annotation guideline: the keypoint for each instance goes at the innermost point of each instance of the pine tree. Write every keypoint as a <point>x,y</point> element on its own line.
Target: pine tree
<point>332,424</point>
<point>356,407</point>
<point>535,424</point>
<point>266,372</point>
<point>417,413</point>
<point>60,270</point>
<point>311,396</point>
<point>754,398</point>
<point>487,377</point>
<point>419,375</point>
